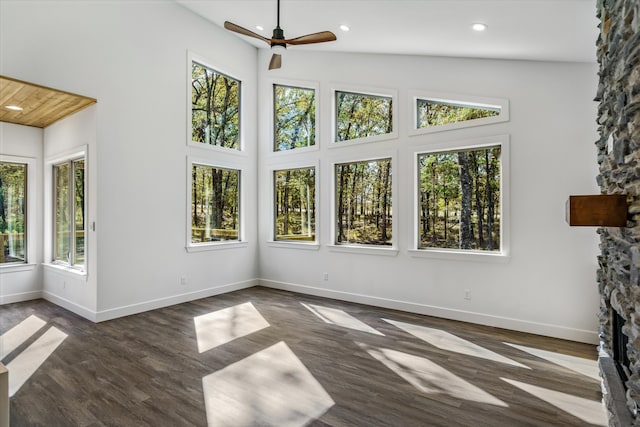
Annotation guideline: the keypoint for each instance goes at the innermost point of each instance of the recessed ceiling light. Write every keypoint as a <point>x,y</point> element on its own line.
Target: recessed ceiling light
<point>479,26</point>
<point>259,28</point>
<point>344,27</point>
<point>13,108</point>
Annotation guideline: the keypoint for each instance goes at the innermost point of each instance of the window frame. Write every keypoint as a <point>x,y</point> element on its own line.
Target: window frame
<point>301,84</point>
<point>457,99</point>
<point>216,245</point>
<point>30,212</point>
<point>272,242</point>
<point>241,150</point>
<point>463,254</point>
<point>382,250</point>
<point>363,90</point>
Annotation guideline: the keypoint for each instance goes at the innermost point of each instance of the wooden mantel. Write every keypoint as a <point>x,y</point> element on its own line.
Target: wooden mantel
<point>602,210</point>
<point>41,105</point>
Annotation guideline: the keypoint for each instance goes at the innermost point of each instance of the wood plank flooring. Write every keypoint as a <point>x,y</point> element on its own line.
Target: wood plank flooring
<point>354,365</point>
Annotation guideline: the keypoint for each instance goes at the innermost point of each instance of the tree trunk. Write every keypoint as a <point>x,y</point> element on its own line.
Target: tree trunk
<point>489,202</point>
<point>466,235</point>
<point>385,201</point>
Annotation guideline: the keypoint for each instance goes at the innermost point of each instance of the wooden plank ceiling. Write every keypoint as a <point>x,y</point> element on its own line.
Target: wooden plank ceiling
<point>41,106</point>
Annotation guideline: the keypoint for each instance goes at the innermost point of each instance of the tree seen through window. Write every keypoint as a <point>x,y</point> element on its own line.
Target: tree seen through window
<point>13,184</point>
<point>361,115</point>
<point>294,117</point>
<point>295,204</point>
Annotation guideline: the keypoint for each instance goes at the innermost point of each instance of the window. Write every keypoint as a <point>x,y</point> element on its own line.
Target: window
<point>69,213</point>
<point>294,117</point>
<point>13,186</point>
<point>215,108</point>
<point>215,204</point>
<point>459,199</point>
<point>295,204</point>
<point>362,115</point>
<point>438,113</point>
<point>363,203</point>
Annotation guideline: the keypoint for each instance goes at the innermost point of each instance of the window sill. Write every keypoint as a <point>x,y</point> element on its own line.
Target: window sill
<point>216,148</point>
<point>14,268</point>
<point>364,249</point>
<point>203,247</point>
<point>460,255</point>
<point>65,269</point>
<point>310,246</point>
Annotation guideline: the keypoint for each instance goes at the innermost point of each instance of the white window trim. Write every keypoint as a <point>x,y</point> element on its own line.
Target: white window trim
<point>241,151</point>
<point>363,90</point>
<point>30,229</point>
<point>81,152</point>
<point>505,217</point>
<point>292,243</point>
<point>471,101</point>
<point>360,248</point>
<point>208,246</point>
<point>271,116</point>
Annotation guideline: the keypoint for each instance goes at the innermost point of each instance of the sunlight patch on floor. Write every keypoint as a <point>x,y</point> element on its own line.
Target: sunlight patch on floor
<point>449,342</point>
<point>268,388</point>
<point>429,377</point>
<point>20,333</point>
<point>222,326</point>
<point>340,318</point>
<point>27,363</point>
<point>589,411</point>
<point>583,366</point>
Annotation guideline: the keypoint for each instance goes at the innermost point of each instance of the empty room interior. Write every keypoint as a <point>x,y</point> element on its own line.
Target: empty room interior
<point>326,213</point>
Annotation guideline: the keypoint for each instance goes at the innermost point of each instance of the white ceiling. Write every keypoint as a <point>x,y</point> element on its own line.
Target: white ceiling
<point>548,30</point>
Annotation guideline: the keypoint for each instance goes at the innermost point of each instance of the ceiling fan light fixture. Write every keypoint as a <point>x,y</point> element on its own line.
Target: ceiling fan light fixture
<point>479,26</point>
<point>279,49</point>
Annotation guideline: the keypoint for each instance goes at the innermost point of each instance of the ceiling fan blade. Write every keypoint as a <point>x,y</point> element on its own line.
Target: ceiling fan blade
<point>276,61</point>
<point>321,37</point>
<point>240,30</point>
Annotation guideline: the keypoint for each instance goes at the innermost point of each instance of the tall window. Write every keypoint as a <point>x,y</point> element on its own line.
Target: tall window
<point>363,202</point>
<point>295,205</point>
<point>13,185</point>
<point>215,209</point>
<point>361,115</point>
<point>294,117</point>
<point>438,113</point>
<point>69,213</point>
<point>459,199</point>
<point>215,108</point>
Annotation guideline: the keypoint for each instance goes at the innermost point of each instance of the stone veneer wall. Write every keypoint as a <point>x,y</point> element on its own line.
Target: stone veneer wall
<point>619,159</point>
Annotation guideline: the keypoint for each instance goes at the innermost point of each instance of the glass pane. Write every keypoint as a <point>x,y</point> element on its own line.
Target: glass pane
<point>216,204</point>
<point>459,199</point>
<point>215,109</point>
<point>295,205</point>
<point>360,116</point>
<point>363,203</point>
<point>295,117</point>
<point>436,113</point>
<point>62,213</point>
<point>13,184</point>
<point>78,213</point>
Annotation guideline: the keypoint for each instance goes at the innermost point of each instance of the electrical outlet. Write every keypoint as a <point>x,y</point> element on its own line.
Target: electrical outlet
<point>467,294</point>
<point>184,280</point>
<point>325,276</point>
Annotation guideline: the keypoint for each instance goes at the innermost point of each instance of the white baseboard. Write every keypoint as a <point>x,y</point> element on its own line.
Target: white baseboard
<point>579,335</point>
<point>24,296</point>
<point>78,309</point>
<point>128,310</point>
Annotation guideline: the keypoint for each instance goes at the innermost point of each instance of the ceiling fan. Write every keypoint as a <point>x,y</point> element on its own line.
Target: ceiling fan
<point>278,43</point>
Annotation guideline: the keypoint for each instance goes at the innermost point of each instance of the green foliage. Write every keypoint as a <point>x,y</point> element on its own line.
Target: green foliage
<point>215,110</point>
<point>295,117</point>
<point>295,206</point>
<point>445,183</point>
<point>13,184</point>
<point>363,202</point>
<point>215,204</point>
<point>432,113</point>
<point>360,116</point>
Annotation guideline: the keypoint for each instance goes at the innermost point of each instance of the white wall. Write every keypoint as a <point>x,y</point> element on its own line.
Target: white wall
<point>132,57</point>
<point>547,285</point>
<point>23,282</point>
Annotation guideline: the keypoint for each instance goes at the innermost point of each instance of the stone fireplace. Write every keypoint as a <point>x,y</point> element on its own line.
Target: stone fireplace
<point>618,95</point>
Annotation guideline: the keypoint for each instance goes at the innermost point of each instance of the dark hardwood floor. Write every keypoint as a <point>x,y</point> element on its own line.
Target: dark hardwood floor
<point>163,368</point>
